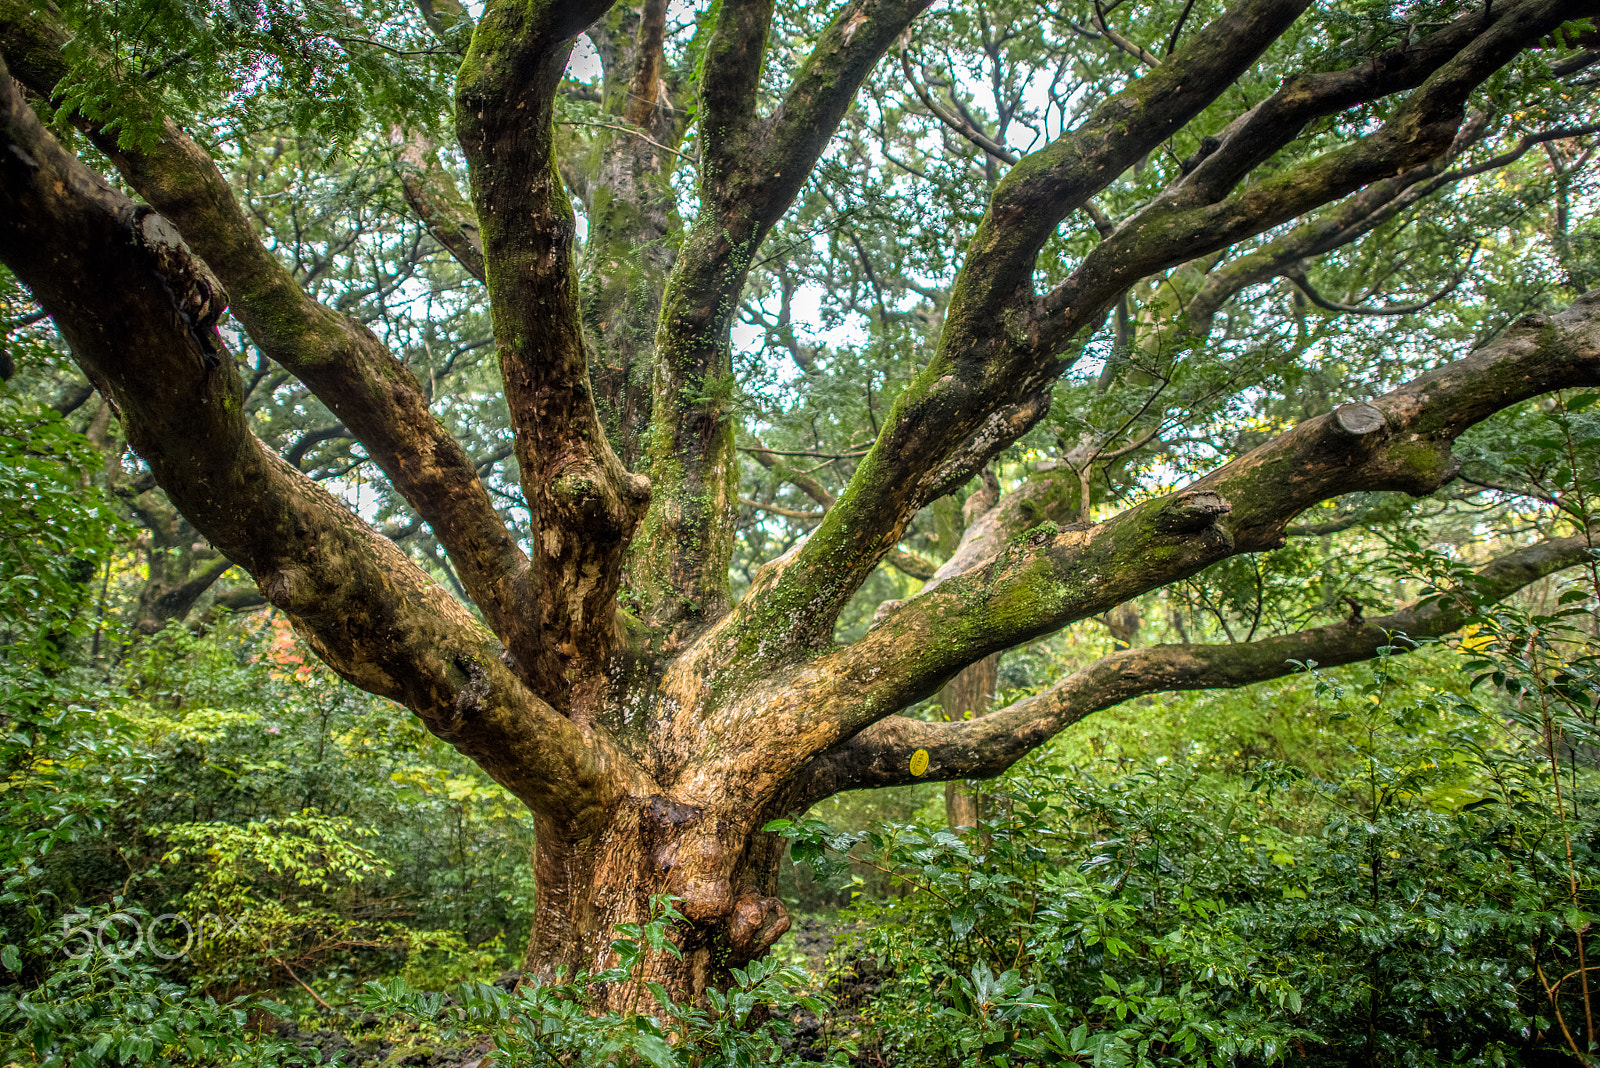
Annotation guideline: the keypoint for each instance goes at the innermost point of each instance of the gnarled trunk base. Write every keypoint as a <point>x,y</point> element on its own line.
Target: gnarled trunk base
<point>722,870</point>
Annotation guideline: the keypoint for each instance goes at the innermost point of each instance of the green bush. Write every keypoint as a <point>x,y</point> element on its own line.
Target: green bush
<point>93,1002</point>
<point>66,762</point>
<point>561,1024</point>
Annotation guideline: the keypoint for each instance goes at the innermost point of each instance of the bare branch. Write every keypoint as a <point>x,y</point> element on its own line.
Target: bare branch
<point>1298,277</point>
<point>805,483</point>
<point>1177,27</point>
<point>787,513</point>
<point>432,194</point>
<point>1145,57</point>
<point>955,122</point>
<point>311,439</point>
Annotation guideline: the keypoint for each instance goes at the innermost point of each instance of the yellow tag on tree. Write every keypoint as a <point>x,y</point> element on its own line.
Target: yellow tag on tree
<point>919,762</point>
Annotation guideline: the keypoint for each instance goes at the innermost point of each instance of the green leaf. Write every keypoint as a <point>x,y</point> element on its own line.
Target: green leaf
<point>653,1049</point>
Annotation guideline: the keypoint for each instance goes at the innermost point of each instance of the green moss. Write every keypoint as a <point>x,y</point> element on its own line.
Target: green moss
<point>1423,465</point>
<point>1039,532</point>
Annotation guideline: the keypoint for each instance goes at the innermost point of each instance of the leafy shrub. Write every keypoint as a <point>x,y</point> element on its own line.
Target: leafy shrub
<point>65,764</point>
<point>97,1003</point>
<point>1430,905</point>
<point>560,1024</point>
<point>285,895</point>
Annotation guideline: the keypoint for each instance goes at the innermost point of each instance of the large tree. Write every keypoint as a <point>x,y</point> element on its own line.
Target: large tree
<point>604,671</point>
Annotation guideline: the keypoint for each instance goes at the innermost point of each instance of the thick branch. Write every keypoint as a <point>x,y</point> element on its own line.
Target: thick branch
<point>993,351</point>
<point>645,90</point>
<point>1048,185</point>
<point>981,748</point>
<point>431,192</point>
<point>241,600</point>
<point>751,172</point>
<point>911,564</point>
<point>1273,123</point>
<point>1049,497</point>
<point>1329,229</point>
<point>1053,576</point>
<point>1179,225</point>
<point>1574,64</point>
<point>584,504</point>
<point>1352,218</point>
<point>341,361</point>
<point>157,611</point>
<point>961,401</point>
<point>633,222</point>
<point>112,275</point>
<point>728,89</point>
<point>1401,441</point>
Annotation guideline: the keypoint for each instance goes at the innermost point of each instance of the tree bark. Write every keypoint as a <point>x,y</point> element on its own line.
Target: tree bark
<point>966,697</point>
<point>714,861</point>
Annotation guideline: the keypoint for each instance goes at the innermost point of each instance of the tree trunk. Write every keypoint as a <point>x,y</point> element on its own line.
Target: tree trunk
<point>629,252</point>
<point>719,866</point>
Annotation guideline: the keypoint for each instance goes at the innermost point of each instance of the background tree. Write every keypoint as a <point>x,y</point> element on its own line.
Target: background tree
<point>1054,249</point>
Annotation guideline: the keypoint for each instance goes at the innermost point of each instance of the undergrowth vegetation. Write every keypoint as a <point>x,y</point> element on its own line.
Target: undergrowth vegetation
<point>1429,905</point>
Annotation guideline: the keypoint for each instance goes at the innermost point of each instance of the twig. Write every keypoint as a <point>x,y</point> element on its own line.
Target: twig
<point>1555,1003</point>
<point>1298,277</point>
<point>959,125</point>
<point>369,42</point>
<point>630,130</point>
<point>906,878</point>
<point>1138,52</point>
<point>307,989</point>
<point>1183,16</point>
<point>787,513</point>
<point>814,455</point>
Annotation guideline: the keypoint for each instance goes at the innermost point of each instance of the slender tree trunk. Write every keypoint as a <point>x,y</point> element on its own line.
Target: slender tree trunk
<point>633,219</point>
<point>967,696</point>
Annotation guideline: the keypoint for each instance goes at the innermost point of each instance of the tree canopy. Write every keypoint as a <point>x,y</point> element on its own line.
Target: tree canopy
<point>836,350</point>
